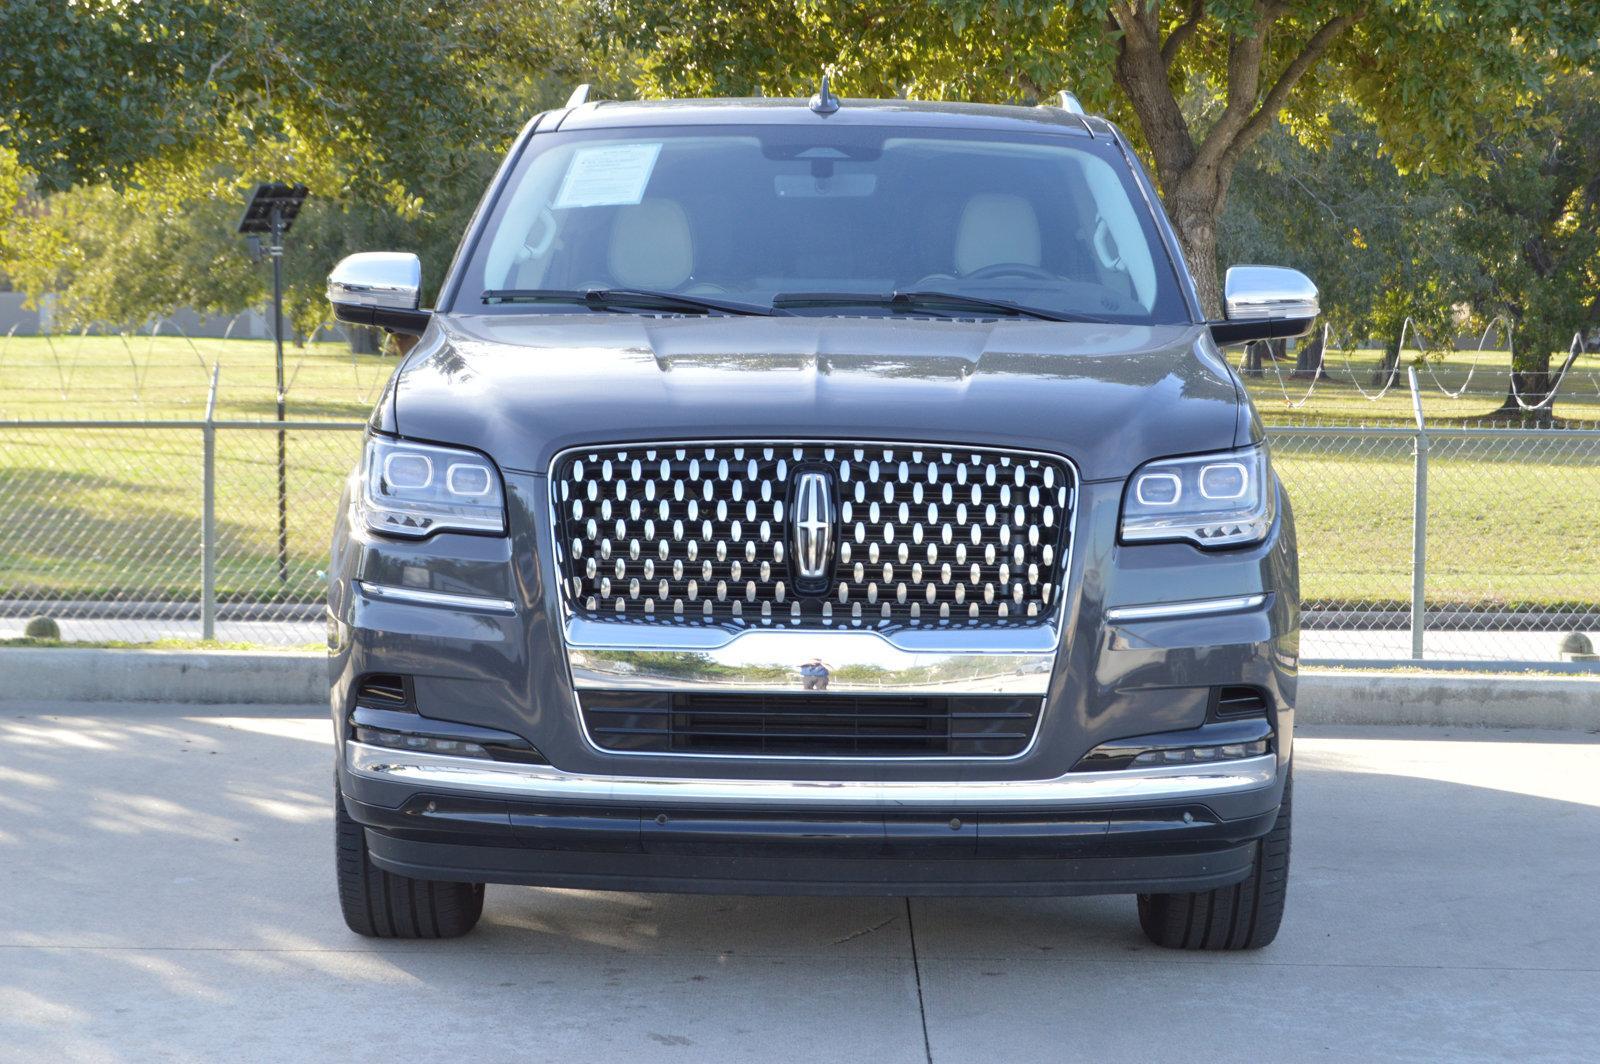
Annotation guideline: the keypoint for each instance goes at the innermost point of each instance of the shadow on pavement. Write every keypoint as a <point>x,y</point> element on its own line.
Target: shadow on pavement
<point>168,881</point>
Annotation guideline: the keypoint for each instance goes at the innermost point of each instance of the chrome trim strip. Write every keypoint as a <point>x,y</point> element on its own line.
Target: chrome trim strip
<point>1195,608</point>
<point>582,633</point>
<point>771,660</point>
<point>418,596</point>
<point>537,782</point>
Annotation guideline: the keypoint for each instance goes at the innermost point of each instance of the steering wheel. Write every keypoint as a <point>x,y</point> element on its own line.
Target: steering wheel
<point>1010,269</point>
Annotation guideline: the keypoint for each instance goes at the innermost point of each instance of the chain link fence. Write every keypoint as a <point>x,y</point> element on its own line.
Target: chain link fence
<point>1500,561</point>
<point>137,532</point>
<point>143,531</point>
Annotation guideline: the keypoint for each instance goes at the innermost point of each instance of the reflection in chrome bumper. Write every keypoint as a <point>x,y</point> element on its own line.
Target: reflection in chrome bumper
<point>626,656</point>
<point>1180,782</point>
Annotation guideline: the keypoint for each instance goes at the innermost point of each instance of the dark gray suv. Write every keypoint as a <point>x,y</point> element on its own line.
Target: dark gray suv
<point>816,497</point>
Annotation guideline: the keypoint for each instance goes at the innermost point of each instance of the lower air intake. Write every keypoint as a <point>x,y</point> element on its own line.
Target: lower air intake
<point>1233,703</point>
<point>810,725</point>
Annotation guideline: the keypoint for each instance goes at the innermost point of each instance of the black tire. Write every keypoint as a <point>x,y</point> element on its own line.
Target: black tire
<point>1243,916</point>
<point>380,904</point>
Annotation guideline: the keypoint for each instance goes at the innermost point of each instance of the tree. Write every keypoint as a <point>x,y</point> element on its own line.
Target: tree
<point>137,129</point>
<point>1426,72</point>
<point>1517,234</point>
<point>121,257</point>
<point>1367,234</point>
<point>1530,222</point>
<point>107,87</point>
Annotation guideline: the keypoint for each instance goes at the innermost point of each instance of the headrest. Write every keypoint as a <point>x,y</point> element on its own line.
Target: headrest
<point>651,246</point>
<point>996,227</point>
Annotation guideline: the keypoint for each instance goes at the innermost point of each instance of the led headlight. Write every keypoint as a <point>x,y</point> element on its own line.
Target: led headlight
<point>413,489</point>
<point>1214,500</point>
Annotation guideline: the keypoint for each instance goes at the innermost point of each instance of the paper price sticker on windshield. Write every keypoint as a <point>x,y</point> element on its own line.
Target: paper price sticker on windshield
<point>609,176</point>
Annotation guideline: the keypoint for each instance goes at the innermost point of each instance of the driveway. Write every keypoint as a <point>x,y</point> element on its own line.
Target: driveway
<point>166,893</point>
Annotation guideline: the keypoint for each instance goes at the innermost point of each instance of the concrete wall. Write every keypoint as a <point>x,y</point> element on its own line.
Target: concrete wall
<point>46,675</point>
<point>251,325</point>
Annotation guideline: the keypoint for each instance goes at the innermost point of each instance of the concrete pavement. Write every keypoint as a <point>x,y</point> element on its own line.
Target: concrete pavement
<point>167,895</point>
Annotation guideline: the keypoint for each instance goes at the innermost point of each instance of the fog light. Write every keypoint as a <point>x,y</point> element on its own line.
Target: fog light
<point>403,741</point>
<point>1185,755</point>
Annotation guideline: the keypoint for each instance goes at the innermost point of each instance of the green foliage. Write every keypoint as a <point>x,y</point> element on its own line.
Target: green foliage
<point>1366,233</point>
<point>103,83</point>
<point>394,116</point>
<point>42,628</point>
<point>1530,219</point>
<point>107,86</point>
<point>1515,233</point>
<point>926,50</point>
<point>1429,74</point>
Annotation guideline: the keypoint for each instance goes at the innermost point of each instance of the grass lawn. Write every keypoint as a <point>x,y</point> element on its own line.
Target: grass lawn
<point>106,513</point>
<point>1511,524</point>
<point>167,378</point>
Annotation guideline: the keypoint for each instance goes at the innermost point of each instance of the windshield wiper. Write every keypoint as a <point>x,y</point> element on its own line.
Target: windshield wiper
<point>627,299</point>
<point>925,300</point>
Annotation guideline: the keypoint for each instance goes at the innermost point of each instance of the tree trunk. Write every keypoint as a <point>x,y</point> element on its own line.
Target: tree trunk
<point>1534,386</point>
<point>362,340</point>
<point>1308,360</point>
<point>1531,377</point>
<point>1386,365</point>
<point>1252,360</point>
<point>1194,220</point>
<point>1194,174</point>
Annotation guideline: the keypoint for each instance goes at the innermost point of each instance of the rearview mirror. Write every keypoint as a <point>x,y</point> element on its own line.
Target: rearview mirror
<point>1265,303</point>
<point>379,288</point>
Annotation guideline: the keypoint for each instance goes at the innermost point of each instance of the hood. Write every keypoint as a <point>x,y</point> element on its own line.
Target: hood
<point>523,387</point>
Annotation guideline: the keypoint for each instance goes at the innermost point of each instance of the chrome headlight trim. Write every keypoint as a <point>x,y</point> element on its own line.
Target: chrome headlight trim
<point>412,490</point>
<point>1226,499</point>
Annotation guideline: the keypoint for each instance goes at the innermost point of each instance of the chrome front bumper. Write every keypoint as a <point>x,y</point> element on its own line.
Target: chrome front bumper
<point>629,656</point>
<point>1078,789</point>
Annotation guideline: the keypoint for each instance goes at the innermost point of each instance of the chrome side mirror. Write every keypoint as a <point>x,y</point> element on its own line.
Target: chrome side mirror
<point>1265,303</point>
<point>381,288</point>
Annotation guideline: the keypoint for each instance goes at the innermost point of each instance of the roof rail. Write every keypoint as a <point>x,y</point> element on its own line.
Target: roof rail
<point>580,96</point>
<point>1067,102</point>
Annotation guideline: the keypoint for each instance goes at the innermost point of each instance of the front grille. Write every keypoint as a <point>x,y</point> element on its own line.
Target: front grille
<point>922,535</point>
<point>810,725</point>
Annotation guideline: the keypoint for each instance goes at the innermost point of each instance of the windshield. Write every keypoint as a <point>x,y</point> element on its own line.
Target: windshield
<point>814,219</point>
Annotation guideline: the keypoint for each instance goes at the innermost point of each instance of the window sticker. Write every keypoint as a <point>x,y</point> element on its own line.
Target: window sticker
<point>607,176</point>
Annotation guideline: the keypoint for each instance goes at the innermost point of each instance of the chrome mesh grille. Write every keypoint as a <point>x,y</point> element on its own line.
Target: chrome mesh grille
<point>926,535</point>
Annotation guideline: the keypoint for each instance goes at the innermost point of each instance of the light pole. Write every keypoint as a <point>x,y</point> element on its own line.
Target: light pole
<point>272,210</point>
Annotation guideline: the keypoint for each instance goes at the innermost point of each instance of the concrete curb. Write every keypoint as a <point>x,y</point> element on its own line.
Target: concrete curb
<point>58,675</point>
<point>1485,700</point>
<point>65,674</point>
